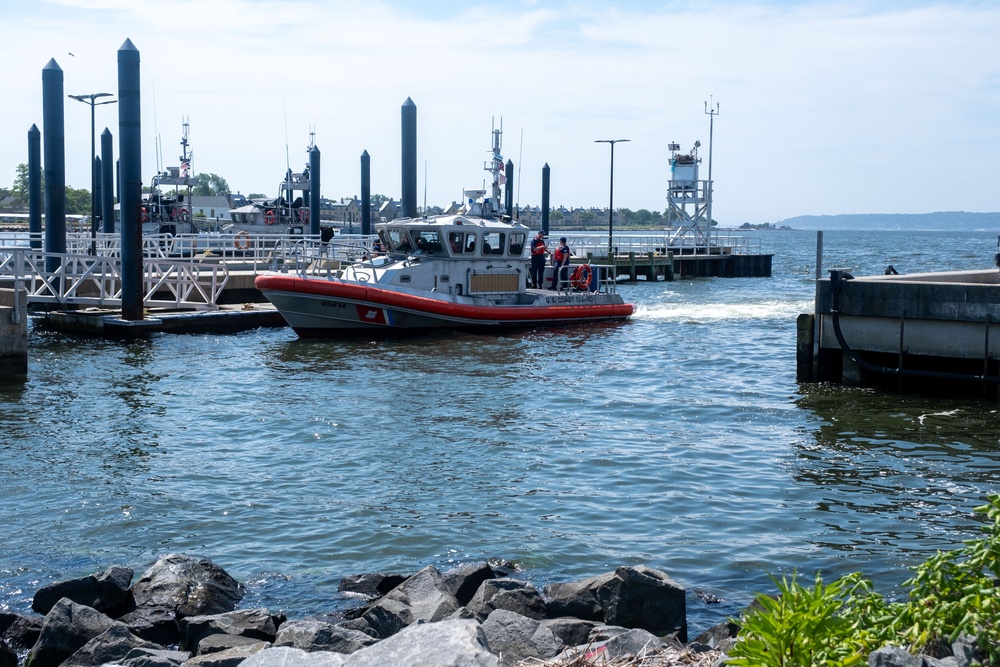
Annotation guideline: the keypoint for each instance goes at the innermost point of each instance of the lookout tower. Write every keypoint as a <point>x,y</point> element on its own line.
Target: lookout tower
<point>688,197</point>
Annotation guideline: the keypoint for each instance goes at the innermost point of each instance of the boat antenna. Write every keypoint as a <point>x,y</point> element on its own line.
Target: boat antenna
<point>425,187</point>
<point>156,132</point>
<point>520,160</point>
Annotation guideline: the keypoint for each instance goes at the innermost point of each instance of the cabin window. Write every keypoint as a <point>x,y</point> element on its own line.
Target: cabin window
<point>405,278</point>
<point>493,243</point>
<point>398,240</point>
<point>427,242</point>
<point>460,242</point>
<point>517,244</point>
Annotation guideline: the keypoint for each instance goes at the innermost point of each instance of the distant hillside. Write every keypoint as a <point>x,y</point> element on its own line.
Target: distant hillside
<point>942,221</point>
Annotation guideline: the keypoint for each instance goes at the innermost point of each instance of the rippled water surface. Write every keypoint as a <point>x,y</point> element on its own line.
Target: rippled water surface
<point>679,440</point>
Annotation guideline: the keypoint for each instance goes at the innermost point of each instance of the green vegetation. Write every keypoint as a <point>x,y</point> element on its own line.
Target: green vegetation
<point>211,185</point>
<point>953,593</point>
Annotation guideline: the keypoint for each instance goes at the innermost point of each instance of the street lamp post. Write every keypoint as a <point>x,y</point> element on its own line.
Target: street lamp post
<point>712,113</point>
<point>611,204</point>
<point>91,99</point>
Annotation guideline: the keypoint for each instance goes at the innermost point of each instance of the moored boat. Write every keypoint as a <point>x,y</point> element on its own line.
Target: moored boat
<point>468,270</point>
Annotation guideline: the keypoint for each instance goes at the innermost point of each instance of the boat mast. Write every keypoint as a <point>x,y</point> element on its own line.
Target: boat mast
<point>496,168</point>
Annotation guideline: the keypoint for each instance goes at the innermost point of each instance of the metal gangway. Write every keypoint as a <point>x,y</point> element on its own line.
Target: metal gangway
<point>182,271</point>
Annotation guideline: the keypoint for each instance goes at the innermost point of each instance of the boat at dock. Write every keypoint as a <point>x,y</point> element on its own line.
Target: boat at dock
<point>468,270</point>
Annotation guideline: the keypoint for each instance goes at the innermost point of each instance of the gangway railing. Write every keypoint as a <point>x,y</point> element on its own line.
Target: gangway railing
<point>95,280</point>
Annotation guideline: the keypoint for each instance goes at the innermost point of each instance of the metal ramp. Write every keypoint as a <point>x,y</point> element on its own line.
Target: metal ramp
<point>95,280</point>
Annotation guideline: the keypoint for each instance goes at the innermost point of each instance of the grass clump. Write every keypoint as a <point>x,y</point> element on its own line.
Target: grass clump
<point>837,624</point>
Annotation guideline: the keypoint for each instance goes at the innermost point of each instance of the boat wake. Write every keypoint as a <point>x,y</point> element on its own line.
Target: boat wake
<point>720,312</point>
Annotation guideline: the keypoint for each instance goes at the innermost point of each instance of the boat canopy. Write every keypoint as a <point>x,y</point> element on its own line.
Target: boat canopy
<point>457,237</point>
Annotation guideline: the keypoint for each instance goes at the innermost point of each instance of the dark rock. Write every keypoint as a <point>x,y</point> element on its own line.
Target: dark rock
<point>257,624</point>
<point>110,646</point>
<point>965,651</point>
<point>717,634</point>
<point>464,580</point>
<point>315,635</point>
<point>577,599</point>
<point>422,597</point>
<point>19,630</point>
<point>516,637</point>
<point>220,642</point>
<point>67,627</point>
<point>641,597</point>
<point>154,624</point>
<point>107,592</point>
<point>893,656</point>
<point>359,624</point>
<point>286,656</point>
<point>372,585</point>
<point>516,596</point>
<point>929,661</point>
<point>570,631</point>
<point>8,656</point>
<point>448,643</point>
<point>634,643</point>
<point>155,657</point>
<point>232,657</point>
<point>190,586</point>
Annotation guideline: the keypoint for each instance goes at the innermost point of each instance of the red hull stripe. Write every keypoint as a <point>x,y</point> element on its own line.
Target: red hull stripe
<point>390,299</point>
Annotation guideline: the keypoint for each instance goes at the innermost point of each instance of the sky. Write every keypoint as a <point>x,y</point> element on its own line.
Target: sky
<point>853,106</point>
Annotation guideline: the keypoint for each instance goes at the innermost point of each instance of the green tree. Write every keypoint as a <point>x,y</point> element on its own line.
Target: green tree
<point>211,185</point>
<point>556,214</point>
<point>256,195</point>
<point>378,200</point>
<point>77,201</point>
<point>20,187</point>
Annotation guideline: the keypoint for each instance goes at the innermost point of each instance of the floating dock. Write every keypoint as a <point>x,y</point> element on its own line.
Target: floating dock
<point>936,333</point>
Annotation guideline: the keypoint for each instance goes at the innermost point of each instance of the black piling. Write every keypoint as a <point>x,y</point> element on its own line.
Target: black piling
<point>35,187</point>
<point>314,190</point>
<point>98,194</point>
<point>409,159</point>
<point>53,120</point>
<point>545,199</point>
<point>366,194</point>
<point>107,182</point>
<point>130,180</point>
<point>508,189</point>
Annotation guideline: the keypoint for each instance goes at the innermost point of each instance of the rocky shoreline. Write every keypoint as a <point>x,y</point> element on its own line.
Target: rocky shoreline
<point>182,612</point>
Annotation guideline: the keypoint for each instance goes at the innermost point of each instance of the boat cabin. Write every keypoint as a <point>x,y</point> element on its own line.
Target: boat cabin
<point>461,238</point>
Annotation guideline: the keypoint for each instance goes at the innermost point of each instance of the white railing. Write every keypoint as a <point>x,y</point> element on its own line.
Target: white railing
<point>94,280</point>
<point>684,240</point>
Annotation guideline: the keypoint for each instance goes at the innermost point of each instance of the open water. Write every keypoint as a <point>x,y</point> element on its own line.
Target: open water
<point>680,440</point>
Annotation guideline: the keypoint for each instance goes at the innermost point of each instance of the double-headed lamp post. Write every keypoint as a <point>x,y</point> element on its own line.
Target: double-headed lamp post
<point>611,204</point>
<point>91,99</point>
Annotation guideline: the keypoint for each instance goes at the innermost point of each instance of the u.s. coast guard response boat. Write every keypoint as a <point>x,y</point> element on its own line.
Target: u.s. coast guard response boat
<point>468,270</point>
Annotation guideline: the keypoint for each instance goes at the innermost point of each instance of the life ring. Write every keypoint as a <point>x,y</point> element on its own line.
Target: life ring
<point>303,215</point>
<point>145,214</point>
<point>581,277</point>
<point>241,240</point>
<point>269,218</point>
<point>185,215</point>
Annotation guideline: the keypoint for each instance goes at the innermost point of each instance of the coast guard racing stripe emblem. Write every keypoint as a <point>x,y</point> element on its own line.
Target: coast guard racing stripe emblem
<point>371,315</point>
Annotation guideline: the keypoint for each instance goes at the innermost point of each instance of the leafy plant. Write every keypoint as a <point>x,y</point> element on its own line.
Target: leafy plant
<point>952,593</point>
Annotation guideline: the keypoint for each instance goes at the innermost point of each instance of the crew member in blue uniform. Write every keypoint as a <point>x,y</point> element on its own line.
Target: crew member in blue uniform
<point>538,251</point>
<point>560,260</point>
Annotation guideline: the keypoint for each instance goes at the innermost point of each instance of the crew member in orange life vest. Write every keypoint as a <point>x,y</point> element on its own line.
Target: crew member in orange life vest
<point>560,260</point>
<point>538,251</point>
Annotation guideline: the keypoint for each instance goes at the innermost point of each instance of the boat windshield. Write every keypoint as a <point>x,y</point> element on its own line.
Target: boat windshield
<point>427,242</point>
<point>399,241</point>
<point>493,243</point>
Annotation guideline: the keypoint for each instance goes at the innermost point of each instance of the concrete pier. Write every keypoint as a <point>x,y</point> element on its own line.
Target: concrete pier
<point>653,266</point>
<point>13,334</point>
<point>923,333</point>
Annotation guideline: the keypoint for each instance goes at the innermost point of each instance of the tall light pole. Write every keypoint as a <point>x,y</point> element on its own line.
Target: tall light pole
<point>91,99</point>
<point>611,204</point>
<point>712,113</point>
